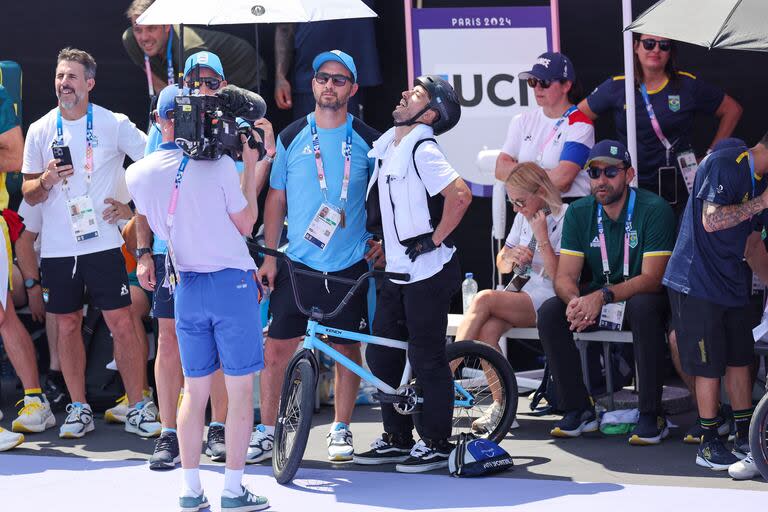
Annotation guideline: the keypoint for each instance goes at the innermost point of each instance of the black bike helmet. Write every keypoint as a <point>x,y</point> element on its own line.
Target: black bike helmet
<point>443,99</point>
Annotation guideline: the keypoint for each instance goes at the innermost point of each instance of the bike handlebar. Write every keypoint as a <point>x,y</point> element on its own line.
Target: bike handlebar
<point>315,313</point>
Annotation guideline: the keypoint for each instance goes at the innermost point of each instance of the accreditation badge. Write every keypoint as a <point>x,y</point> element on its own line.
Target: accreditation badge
<point>612,316</point>
<point>324,224</point>
<point>82,218</point>
<point>688,165</point>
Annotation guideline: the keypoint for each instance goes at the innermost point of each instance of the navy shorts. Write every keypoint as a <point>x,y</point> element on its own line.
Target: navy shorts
<point>218,323</point>
<point>162,300</point>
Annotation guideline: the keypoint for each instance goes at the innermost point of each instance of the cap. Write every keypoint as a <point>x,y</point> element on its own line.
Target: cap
<point>205,60</point>
<point>611,152</point>
<point>551,66</point>
<point>166,100</point>
<point>730,142</point>
<point>336,56</point>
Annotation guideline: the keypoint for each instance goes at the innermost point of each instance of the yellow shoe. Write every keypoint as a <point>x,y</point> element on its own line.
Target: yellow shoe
<point>35,416</point>
<point>9,440</point>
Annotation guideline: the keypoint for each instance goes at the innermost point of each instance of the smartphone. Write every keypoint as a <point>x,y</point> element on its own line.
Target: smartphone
<point>668,184</point>
<point>63,154</point>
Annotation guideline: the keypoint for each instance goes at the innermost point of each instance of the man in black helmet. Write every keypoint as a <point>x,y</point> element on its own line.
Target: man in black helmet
<point>422,200</point>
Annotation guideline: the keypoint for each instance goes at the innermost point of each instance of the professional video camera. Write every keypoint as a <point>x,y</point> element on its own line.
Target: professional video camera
<point>207,127</point>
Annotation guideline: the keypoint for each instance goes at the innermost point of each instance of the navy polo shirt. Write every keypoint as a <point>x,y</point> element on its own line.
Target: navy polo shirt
<point>711,266</point>
<point>675,104</point>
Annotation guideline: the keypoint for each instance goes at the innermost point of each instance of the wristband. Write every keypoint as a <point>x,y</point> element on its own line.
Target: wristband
<point>269,159</point>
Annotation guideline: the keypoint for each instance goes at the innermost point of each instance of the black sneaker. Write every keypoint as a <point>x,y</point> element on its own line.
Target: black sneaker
<point>166,454</point>
<point>650,429</point>
<point>214,445</point>
<point>714,455</point>
<point>388,449</point>
<point>740,447</point>
<point>576,422</point>
<point>695,434</point>
<point>56,393</point>
<point>426,456</point>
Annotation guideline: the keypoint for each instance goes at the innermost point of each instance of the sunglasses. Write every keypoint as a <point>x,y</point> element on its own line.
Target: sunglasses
<point>517,203</point>
<point>610,172</point>
<point>533,82</point>
<point>338,80</point>
<point>649,44</point>
<point>212,83</point>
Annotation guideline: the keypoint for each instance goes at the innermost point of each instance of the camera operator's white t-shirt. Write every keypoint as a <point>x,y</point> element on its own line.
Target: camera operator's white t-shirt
<point>115,137</point>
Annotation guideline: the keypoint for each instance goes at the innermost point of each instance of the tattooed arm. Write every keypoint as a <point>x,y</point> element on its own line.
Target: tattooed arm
<point>717,217</point>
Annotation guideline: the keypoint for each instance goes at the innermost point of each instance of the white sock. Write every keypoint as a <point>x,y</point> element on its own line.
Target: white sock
<point>192,485</point>
<point>233,481</point>
<point>269,430</point>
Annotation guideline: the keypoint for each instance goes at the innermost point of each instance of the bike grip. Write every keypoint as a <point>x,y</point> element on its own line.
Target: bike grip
<point>267,251</point>
<point>392,275</point>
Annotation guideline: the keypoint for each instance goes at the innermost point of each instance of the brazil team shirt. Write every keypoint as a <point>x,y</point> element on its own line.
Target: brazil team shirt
<point>8,120</point>
<point>675,104</point>
<point>294,171</point>
<point>711,266</point>
<point>652,235</point>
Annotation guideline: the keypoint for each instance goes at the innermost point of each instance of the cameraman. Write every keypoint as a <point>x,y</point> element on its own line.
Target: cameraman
<point>217,310</point>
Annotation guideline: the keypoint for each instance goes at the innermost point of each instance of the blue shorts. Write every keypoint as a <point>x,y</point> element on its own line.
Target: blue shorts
<point>162,300</point>
<point>218,323</point>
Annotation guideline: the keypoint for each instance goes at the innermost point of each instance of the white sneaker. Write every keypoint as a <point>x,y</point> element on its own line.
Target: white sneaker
<point>119,412</point>
<point>340,448</point>
<point>35,416</point>
<point>260,446</point>
<point>745,469</point>
<point>143,421</point>
<point>9,440</point>
<point>78,423</point>
<point>489,420</point>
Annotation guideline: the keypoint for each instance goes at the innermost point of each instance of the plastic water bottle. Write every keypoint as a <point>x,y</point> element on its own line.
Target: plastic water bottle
<point>468,290</point>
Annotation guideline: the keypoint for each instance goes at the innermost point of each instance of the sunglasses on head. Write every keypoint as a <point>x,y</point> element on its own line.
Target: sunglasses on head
<point>211,83</point>
<point>610,172</point>
<point>649,44</point>
<point>338,80</point>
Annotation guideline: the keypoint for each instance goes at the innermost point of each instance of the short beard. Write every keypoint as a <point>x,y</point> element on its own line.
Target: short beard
<point>610,198</point>
<point>339,103</point>
<point>67,105</point>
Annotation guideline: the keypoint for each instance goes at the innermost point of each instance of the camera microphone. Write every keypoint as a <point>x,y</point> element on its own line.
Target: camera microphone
<point>243,103</point>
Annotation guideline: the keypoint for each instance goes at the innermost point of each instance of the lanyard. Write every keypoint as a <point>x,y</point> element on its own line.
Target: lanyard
<point>752,173</point>
<point>169,63</point>
<point>346,150</point>
<point>627,229</point>
<point>170,257</point>
<point>555,128</point>
<point>88,145</point>
<point>654,121</point>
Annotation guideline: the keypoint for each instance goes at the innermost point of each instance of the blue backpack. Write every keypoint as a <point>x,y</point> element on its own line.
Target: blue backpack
<point>477,457</point>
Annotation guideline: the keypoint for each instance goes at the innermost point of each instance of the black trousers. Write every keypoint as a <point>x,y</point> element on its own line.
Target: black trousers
<point>417,313</point>
<point>646,315</point>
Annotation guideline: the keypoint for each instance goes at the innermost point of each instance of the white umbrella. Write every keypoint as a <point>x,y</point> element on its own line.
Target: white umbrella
<point>223,12</point>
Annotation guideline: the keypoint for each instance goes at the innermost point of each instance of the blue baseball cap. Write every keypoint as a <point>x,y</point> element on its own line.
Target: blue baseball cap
<point>337,56</point>
<point>166,100</point>
<point>204,60</point>
<point>611,152</point>
<point>551,66</point>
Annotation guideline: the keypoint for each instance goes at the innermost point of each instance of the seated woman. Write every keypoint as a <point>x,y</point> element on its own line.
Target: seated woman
<point>531,251</point>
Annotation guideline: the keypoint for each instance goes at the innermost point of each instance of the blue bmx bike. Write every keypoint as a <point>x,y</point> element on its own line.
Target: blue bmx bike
<point>484,383</point>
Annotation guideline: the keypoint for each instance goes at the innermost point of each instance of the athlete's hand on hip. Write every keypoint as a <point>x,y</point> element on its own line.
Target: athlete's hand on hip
<point>116,211</point>
<point>421,245</point>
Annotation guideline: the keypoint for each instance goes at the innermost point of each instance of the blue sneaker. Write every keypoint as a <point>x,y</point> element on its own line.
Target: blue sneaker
<point>193,503</point>
<point>245,502</point>
<point>714,455</point>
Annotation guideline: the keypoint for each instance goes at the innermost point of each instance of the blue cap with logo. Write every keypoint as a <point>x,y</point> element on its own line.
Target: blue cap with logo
<point>551,66</point>
<point>204,60</point>
<point>611,152</point>
<point>336,56</point>
<point>166,100</point>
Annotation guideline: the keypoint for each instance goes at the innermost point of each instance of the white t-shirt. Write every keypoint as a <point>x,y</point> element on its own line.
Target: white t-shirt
<point>521,234</point>
<point>529,139</point>
<point>33,221</point>
<point>436,174</point>
<point>115,137</point>
<point>204,237</point>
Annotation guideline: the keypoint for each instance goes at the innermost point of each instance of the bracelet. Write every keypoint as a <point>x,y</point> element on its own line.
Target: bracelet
<point>269,159</point>
<point>42,184</point>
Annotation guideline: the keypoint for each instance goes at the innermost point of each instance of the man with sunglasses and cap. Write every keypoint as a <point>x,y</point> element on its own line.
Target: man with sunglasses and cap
<point>625,237</point>
<point>318,179</point>
<point>556,136</point>
<point>709,284</point>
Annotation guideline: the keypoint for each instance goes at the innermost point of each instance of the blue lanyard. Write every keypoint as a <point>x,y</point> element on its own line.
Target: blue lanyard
<point>88,143</point>
<point>346,150</point>
<point>627,230</point>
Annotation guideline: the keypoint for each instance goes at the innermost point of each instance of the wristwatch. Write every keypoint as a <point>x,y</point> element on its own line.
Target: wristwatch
<point>608,296</point>
<point>31,283</point>
<point>141,251</point>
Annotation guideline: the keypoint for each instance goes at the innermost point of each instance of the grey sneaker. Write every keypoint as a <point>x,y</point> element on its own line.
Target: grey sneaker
<point>260,446</point>
<point>143,421</point>
<point>79,421</point>
<point>193,503</point>
<point>215,447</point>
<point>245,502</point>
